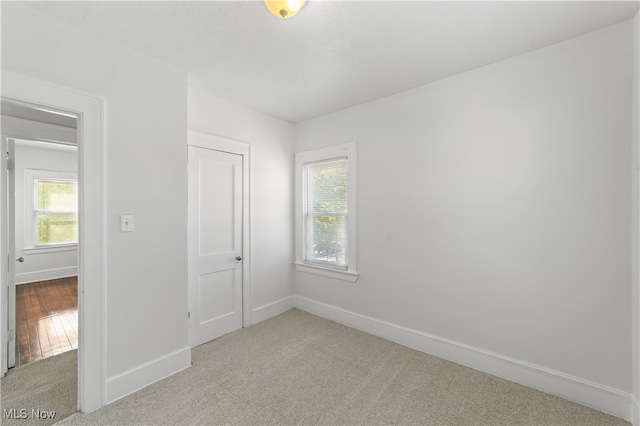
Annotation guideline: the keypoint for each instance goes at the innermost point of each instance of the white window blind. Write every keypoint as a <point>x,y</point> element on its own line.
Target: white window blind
<point>326,214</point>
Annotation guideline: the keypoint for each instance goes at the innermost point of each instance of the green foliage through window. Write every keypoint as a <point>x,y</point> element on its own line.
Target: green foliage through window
<point>56,211</point>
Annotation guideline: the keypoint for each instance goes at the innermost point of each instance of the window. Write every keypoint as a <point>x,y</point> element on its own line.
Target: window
<point>325,212</point>
<point>51,209</point>
<point>56,211</point>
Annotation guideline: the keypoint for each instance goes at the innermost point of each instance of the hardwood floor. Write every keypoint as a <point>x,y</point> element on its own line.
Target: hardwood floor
<point>46,319</point>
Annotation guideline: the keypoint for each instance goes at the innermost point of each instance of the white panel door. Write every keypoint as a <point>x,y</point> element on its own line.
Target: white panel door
<point>215,244</point>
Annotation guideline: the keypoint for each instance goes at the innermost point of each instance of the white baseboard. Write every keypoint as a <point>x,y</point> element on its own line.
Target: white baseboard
<point>270,310</point>
<point>603,398</point>
<point>635,412</point>
<point>137,378</point>
<point>47,274</point>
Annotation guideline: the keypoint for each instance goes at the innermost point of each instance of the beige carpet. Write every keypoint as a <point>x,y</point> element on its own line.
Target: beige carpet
<point>29,394</point>
<point>297,368</point>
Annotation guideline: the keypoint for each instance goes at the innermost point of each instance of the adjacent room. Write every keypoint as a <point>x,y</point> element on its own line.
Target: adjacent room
<point>325,212</point>
<point>44,214</point>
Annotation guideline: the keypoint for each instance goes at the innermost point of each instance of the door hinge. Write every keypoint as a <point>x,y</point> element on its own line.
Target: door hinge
<point>188,314</point>
<point>10,164</point>
<point>12,334</point>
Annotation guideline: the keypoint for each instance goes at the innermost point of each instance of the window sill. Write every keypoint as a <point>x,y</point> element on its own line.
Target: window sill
<point>53,249</point>
<point>326,272</point>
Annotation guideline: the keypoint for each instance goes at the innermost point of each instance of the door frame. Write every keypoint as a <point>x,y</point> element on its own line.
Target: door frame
<point>90,110</point>
<point>8,295</point>
<point>219,143</point>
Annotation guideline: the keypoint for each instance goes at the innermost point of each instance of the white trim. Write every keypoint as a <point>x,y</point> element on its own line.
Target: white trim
<point>635,412</point>
<point>146,374</point>
<point>90,110</point>
<point>7,251</point>
<point>45,275</point>
<point>301,158</point>
<point>600,397</point>
<point>326,272</point>
<point>29,216</point>
<point>247,242</point>
<point>45,144</point>
<point>219,143</point>
<point>56,248</point>
<point>4,254</point>
<point>44,132</point>
<point>272,309</point>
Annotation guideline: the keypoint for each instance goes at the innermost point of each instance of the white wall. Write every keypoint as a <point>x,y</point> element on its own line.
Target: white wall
<point>494,205</point>
<point>494,209</point>
<point>40,266</point>
<point>271,171</point>
<point>635,187</point>
<point>146,132</point>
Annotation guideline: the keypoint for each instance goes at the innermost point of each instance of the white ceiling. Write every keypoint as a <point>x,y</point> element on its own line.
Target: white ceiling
<point>333,54</point>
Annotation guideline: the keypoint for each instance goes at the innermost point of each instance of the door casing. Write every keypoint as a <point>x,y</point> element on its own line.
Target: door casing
<point>91,233</point>
<point>218,143</point>
<point>9,246</point>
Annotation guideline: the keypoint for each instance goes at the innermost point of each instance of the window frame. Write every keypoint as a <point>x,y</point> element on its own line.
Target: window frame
<point>30,233</point>
<point>347,151</point>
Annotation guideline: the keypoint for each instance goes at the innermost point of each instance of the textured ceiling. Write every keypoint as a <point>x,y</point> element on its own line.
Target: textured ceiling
<point>333,54</point>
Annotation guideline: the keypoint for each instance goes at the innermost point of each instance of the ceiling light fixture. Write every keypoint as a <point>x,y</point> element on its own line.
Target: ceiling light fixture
<point>284,8</point>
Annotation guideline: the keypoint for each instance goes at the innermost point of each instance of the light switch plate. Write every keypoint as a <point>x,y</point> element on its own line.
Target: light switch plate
<point>126,223</point>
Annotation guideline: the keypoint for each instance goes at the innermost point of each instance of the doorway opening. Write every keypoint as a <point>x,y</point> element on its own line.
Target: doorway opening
<point>89,111</point>
<point>40,236</point>
<point>41,207</point>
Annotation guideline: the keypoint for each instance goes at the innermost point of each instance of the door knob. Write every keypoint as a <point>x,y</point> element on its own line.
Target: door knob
<point>238,258</point>
<point>20,259</point>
